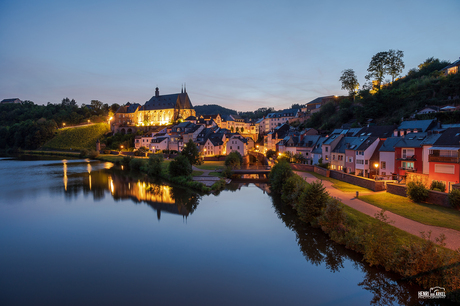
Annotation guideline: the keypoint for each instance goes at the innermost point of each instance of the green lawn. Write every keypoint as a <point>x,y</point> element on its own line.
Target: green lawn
<point>218,174</point>
<point>342,186</point>
<point>211,165</point>
<point>423,213</point>
<point>197,173</point>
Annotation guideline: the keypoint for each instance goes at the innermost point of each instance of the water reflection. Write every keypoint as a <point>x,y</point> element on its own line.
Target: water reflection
<point>126,186</point>
<point>315,245</point>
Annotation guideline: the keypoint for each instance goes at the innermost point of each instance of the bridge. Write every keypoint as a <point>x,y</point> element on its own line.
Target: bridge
<point>261,171</point>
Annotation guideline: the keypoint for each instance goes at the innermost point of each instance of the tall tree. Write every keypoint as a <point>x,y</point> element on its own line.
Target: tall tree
<point>378,67</point>
<point>394,64</point>
<point>349,82</point>
<point>190,151</point>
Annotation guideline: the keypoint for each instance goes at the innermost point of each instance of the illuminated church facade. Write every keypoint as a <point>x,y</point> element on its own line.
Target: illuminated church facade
<point>159,110</point>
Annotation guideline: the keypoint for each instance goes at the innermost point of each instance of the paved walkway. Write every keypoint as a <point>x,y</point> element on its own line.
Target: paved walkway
<point>205,178</point>
<point>410,226</point>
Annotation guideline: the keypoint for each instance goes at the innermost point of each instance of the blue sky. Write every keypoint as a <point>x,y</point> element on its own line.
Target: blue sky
<point>239,54</point>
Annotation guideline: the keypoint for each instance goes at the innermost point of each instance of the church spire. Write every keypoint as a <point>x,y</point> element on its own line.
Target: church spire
<point>185,88</point>
<point>182,89</point>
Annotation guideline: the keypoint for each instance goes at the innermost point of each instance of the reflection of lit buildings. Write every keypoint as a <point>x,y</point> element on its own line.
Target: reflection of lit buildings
<point>159,197</point>
<point>96,179</point>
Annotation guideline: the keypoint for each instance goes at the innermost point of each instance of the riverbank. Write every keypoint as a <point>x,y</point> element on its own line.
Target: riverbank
<point>385,239</point>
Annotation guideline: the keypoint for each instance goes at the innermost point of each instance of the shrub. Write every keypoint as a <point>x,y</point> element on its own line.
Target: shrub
<point>180,166</point>
<point>438,186</point>
<point>227,172</point>
<point>234,160</point>
<point>135,164</point>
<point>270,154</point>
<point>292,190</point>
<point>312,202</point>
<point>126,160</point>
<point>83,152</point>
<point>416,191</point>
<point>153,167</point>
<point>190,151</point>
<point>279,175</point>
<point>332,220</point>
<point>454,198</point>
<point>93,153</point>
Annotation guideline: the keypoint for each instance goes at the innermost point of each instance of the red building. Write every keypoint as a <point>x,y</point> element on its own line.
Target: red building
<point>444,158</point>
<point>409,154</point>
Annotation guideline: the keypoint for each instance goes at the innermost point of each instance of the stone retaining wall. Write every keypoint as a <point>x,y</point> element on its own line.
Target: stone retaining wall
<point>358,180</point>
<point>434,197</point>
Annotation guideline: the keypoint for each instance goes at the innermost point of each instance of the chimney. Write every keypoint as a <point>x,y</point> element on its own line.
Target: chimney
<point>157,92</point>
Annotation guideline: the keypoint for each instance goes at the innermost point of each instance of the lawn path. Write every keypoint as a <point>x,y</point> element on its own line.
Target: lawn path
<point>410,226</point>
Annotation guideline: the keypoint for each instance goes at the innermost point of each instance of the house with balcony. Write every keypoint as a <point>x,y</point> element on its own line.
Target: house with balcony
<point>338,160</point>
<point>444,158</point>
<point>409,154</point>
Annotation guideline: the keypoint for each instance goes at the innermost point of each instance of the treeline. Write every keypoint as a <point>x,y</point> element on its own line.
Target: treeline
<point>420,261</point>
<point>213,109</point>
<point>394,101</point>
<point>28,125</point>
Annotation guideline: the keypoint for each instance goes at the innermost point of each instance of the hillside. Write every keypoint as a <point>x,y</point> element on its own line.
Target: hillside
<point>394,102</point>
<point>212,109</point>
<point>78,138</point>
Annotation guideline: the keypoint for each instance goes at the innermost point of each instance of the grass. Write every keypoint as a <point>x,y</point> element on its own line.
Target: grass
<point>218,174</point>
<point>424,213</point>
<point>361,221</point>
<point>342,186</point>
<point>197,173</point>
<point>211,165</point>
<point>78,138</point>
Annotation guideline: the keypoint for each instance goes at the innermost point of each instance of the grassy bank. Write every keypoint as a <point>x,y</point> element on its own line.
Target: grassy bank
<point>77,138</point>
<point>423,213</point>
<point>340,185</point>
<point>422,260</point>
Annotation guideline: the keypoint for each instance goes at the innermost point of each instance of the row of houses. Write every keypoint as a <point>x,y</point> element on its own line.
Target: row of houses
<point>424,147</point>
<point>209,138</point>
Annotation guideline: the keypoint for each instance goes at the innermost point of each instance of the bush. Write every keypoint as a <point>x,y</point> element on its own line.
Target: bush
<point>93,153</point>
<point>279,175</point>
<point>416,191</point>
<point>270,153</point>
<point>135,164</point>
<point>454,198</point>
<point>126,160</point>
<point>227,172</point>
<point>153,167</point>
<point>438,186</point>
<point>180,166</point>
<point>312,202</point>
<point>292,190</point>
<point>333,219</point>
<point>234,160</point>
<point>84,152</point>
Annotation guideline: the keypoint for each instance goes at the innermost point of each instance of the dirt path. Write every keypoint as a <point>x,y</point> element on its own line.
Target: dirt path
<point>410,226</point>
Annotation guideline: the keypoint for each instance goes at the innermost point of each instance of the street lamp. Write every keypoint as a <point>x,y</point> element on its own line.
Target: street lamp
<point>376,165</point>
<point>63,124</point>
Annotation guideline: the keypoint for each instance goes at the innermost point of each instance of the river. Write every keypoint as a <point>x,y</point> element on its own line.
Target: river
<point>78,232</point>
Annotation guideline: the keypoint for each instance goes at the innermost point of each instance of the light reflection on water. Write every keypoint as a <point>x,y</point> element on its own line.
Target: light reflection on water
<point>70,236</point>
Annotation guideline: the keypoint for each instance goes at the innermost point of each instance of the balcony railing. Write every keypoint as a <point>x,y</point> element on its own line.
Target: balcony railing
<point>444,159</point>
<point>410,158</point>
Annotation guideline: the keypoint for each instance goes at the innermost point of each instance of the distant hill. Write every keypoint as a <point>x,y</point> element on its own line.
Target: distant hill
<point>213,109</point>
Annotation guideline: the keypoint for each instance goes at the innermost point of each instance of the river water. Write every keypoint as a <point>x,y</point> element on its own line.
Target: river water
<point>76,232</point>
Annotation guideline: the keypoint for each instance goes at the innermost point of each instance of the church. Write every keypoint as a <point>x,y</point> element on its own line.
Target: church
<point>159,110</point>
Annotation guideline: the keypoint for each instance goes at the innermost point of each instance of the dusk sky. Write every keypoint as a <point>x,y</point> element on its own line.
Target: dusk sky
<point>239,54</point>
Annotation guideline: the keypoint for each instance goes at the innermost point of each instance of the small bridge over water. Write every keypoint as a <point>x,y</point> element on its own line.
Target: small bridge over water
<point>259,170</point>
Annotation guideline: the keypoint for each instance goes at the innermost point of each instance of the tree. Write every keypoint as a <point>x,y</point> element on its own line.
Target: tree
<point>312,202</point>
<point>394,64</point>
<point>279,175</point>
<point>191,152</point>
<point>234,160</point>
<point>349,81</point>
<point>180,166</point>
<point>378,67</point>
<point>270,153</point>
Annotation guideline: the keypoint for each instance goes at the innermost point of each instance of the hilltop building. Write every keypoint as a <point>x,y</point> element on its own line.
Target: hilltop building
<point>159,110</point>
